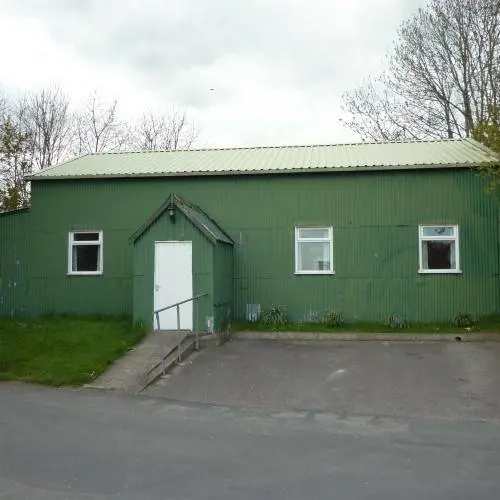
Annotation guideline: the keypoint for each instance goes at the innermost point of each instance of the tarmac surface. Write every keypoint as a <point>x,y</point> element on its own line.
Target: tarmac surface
<point>267,420</point>
<point>96,445</point>
<point>405,379</point>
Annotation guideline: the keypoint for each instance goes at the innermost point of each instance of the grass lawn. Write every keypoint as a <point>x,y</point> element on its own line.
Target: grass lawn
<point>63,350</point>
<point>489,324</point>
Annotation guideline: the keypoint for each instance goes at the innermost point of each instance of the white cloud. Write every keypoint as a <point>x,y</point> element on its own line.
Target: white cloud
<point>278,67</point>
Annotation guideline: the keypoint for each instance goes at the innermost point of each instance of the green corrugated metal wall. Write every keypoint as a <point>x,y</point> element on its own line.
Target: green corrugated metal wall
<point>14,263</point>
<point>223,285</point>
<point>203,279</point>
<point>375,217</point>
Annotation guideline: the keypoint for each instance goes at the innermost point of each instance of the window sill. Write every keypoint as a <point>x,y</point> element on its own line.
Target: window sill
<point>440,271</point>
<point>314,273</point>
<point>86,273</point>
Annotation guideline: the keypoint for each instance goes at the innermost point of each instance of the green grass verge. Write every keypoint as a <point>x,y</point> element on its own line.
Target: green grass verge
<point>63,350</point>
<point>489,324</point>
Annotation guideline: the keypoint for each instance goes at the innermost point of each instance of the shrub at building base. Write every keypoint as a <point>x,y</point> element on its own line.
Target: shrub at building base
<point>275,317</point>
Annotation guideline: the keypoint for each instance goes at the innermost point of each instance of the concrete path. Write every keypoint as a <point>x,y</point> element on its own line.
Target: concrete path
<point>128,373</point>
<point>450,380</point>
<point>97,445</point>
<point>465,336</point>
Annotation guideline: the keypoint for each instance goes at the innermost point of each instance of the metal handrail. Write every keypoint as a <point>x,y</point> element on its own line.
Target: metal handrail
<point>179,340</point>
<point>180,303</point>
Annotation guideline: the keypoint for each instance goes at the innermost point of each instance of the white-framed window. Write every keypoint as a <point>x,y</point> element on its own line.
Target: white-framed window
<point>439,250</point>
<point>85,252</point>
<point>313,250</point>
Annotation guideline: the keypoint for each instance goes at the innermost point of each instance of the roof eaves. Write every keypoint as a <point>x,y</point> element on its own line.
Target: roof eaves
<point>39,174</point>
<point>207,173</point>
<point>185,208</point>
<point>208,234</point>
<point>150,221</point>
<point>15,211</point>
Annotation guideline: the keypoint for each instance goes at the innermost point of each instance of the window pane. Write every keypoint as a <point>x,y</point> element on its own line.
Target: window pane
<point>85,258</point>
<point>314,256</point>
<point>314,232</point>
<point>438,231</point>
<point>438,255</point>
<point>85,236</point>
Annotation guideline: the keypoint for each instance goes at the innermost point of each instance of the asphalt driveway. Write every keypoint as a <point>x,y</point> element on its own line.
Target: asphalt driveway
<point>436,379</point>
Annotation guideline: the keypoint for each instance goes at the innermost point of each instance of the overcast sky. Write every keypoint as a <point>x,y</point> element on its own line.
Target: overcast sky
<point>249,72</point>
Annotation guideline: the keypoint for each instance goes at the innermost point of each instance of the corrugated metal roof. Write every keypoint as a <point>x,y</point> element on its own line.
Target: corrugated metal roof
<point>203,221</point>
<point>284,159</point>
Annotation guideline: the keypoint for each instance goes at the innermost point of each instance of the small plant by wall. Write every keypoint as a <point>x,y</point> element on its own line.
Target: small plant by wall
<point>396,321</point>
<point>223,334</point>
<point>275,317</point>
<point>333,319</point>
<point>464,320</point>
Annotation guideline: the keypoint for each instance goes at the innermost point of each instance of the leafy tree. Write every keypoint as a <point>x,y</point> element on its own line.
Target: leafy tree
<point>15,163</point>
<point>488,133</point>
<point>10,199</point>
<point>443,75</point>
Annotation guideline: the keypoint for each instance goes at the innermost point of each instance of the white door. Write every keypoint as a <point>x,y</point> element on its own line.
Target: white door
<point>173,283</point>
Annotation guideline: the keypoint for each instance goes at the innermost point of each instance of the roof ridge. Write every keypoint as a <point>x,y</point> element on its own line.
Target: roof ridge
<point>281,146</point>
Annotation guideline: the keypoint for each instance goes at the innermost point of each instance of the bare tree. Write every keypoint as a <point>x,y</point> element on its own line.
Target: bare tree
<point>98,129</point>
<point>45,120</point>
<point>39,130</point>
<point>443,75</point>
<point>165,132</point>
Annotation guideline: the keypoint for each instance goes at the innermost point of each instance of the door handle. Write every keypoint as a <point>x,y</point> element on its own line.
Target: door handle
<point>157,287</point>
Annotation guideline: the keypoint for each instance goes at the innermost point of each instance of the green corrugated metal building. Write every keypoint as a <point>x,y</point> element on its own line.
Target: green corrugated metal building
<point>365,229</point>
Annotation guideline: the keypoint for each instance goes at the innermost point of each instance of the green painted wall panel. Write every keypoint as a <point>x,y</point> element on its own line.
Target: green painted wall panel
<point>375,216</point>
<point>223,285</point>
<point>15,263</point>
